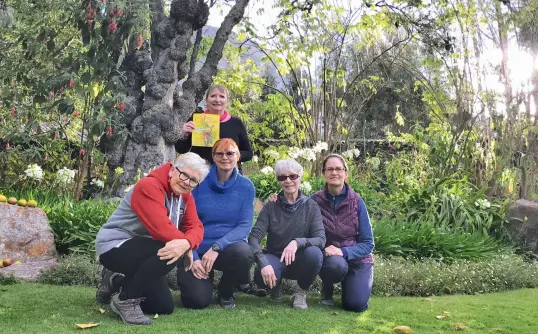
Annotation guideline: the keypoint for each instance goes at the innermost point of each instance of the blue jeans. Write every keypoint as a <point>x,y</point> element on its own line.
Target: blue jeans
<point>356,278</point>
<point>304,269</point>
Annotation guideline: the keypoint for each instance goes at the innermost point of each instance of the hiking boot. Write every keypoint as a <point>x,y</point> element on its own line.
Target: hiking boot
<point>299,300</point>
<point>276,294</point>
<point>129,310</point>
<point>327,302</point>
<point>251,289</point>
<point>227,302</point>
<point>106,287</point>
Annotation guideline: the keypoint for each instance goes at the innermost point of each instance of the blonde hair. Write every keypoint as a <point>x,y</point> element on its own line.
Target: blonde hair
<point>219,87</point>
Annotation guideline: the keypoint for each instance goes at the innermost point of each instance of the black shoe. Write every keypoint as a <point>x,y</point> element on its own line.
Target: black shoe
<point>227,302</point>
<point>253,290</point>
<point>106,288</point>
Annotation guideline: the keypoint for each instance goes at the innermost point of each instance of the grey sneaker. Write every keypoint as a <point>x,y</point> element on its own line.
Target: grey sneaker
<point>276,294</point>
<point>227,302</point>
<point>299,300</point>
<point>129,310</point>
<point>106,288</point>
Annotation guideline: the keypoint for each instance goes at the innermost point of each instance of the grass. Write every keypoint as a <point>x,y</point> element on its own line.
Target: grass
<point>38,308</point>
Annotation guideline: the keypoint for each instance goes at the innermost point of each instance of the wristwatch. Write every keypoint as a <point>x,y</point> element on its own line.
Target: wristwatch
<point>216,248</point>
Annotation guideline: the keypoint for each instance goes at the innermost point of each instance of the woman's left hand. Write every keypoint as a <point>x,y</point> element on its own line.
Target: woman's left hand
<point>173,250</point>
<point>333,251</point>
<point>209,259</point>
<point>288,255</point>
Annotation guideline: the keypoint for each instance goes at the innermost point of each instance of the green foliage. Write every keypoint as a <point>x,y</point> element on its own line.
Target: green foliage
<point>423,239</point>
<point>401,277</point>
<point>8,279</point>
<point>75,224</point>
<point>73,270</point>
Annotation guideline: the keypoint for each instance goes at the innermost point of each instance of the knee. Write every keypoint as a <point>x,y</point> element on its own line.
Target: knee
<point>242,254</point>
<point>334,269</point>
<point>313,255</point>
<point>196,302</point>
<point>355,306</point>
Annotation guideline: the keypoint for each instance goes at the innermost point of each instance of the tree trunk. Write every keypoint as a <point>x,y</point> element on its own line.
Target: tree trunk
<point>155,126</point>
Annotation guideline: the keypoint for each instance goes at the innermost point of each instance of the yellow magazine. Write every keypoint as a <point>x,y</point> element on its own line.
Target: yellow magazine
<point>207,130</point>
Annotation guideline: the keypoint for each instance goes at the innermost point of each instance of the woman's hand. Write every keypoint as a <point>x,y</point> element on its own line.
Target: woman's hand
<point>173,250</point>
<point>272,198</point>
<point>269,277</point>
<point>209,259</point>
<point>288,255</point>
<point>187,128</point>
<point>333,251</point>
<point>187,262</point>
<point>198,270</point>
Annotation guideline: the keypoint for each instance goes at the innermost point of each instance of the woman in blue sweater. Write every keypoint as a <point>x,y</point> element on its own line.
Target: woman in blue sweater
<point>225,205</point>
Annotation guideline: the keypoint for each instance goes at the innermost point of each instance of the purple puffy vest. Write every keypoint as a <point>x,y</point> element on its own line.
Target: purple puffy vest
<point>341,224</point>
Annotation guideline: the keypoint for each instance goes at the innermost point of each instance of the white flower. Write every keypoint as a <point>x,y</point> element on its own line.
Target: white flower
<point>374,162</point>
<point>267,170</point>
<point>356,152</point>
<point>255,159</point>
<point>65,175</point>
<point>348,154</point>
<point>272,153</point>
<point>294,152</point>
<point>482,203</point>
<point>308,154</point>
<point>33,171</point>
<point>98,183</point>
<point>320,146</point>
<point>306,186</point>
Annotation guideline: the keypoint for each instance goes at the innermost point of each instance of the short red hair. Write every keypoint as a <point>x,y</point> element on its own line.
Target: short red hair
<point>224,143</point>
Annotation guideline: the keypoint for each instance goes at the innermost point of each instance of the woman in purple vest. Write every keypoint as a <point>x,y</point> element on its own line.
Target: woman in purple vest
<point>348,252</point>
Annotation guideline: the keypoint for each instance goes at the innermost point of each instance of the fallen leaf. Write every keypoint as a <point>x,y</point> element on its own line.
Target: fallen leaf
<point>387,294</point>
<point>335,313</point>
<point>402,329</point>
<point>90,325</point>
<point>102,311</point>
<point>17,262</point>
<point>439,317</point>
<point>155,316</point>
<point>446,312</point>
<point>459,326</point>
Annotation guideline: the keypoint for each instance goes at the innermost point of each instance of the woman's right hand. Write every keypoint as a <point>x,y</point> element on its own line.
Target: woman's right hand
<point>272,198</point>
<point>198,270</point>
<point>269,277</point>
<point>187,128</point>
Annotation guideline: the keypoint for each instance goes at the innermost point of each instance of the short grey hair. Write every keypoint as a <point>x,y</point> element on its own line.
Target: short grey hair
<point>194,161</point>
<point>288,165</point>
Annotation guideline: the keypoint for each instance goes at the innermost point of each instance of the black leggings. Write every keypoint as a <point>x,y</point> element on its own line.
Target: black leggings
<point>145,273</point>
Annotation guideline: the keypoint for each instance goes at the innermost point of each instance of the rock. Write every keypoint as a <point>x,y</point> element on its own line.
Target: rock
<point>523,217</point>
<point>26,236</point>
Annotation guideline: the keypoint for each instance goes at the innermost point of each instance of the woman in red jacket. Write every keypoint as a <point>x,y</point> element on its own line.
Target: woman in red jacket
<point>154,225</point>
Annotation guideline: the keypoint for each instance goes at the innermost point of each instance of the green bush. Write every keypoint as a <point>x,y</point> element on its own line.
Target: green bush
<point>400,277</point>
<point>8,279</point>
<point>75,224</point>
<point>73,270</point>
<point>423,239</point>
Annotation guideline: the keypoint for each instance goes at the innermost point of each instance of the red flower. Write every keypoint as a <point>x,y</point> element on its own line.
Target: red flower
<point>139,41</point>
<point>8,146</point>
<point>57,135</point>
<point>112,26</point>
<point>61,90</point>
<point>390,145</point>
<point>89,7</point>
<point>103,117</point>
<point>110,131</point>
<point>71,83</point>
<point>90,22</point>
<point>13,111</point>
<point>122,107</point>
<point>119,12</point>
<point>75,114</point>
<point>81,151</point>
<point>111,12</point>
<point>52,94</point>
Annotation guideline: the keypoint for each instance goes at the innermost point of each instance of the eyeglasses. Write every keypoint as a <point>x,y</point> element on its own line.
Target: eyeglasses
<point>292,177</point>
<point>184,177</point>
<point>220,155</point>
<point>335,169</point>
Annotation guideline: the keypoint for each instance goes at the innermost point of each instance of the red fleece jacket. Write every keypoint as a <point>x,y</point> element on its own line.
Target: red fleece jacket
<point>148,203</point>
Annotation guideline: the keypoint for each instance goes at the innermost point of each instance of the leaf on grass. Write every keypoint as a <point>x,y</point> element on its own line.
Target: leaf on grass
<point>102,311</point>
<point>459,326</point>
<point>402,329</point>
<point>155,316</point>
<point>90,325</point>
<point>442,316</point>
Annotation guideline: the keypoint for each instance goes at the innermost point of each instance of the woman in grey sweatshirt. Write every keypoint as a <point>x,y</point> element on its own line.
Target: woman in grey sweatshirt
<point>295,237</point>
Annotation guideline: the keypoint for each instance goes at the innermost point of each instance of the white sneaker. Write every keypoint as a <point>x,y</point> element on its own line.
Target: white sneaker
<point>299,300</point>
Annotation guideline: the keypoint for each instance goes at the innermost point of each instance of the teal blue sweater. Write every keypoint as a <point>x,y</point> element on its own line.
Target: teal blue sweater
<point>226,210</point>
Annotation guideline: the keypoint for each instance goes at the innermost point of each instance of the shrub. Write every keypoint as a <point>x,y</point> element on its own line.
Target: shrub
<point>8,279</point>
<point>73,270</point>
<point>422,239</point>
<point>400,277</point>
<point>75,224</point>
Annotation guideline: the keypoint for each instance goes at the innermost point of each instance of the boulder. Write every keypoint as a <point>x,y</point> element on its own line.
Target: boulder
<point>26,237</point>
<point>523,217</point>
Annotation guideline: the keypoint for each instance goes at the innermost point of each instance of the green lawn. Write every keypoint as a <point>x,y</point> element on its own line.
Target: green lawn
<point>36,308</point>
